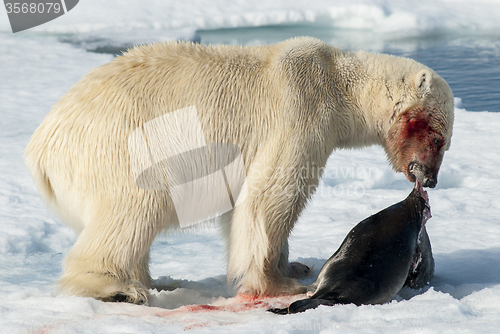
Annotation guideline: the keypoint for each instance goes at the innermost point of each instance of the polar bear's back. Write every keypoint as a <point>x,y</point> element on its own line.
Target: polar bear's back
<point>79,154</point>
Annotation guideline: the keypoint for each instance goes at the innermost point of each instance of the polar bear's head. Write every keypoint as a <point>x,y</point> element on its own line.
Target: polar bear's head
<point>412,111</point>
<point>422,128</point>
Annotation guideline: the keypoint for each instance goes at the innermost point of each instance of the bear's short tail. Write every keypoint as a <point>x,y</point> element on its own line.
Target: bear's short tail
<point>39,176</point>
<point>302,305</point>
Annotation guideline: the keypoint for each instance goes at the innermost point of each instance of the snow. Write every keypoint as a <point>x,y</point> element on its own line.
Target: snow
<point>36,69</point>
<point>124,23</point>
<point>380,15</point>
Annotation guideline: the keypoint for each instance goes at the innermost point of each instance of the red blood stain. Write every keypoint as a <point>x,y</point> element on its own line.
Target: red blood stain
<point>237,306</point>
<point>192,315</point>
<point>201,308</point>
<point>417,125</point>
<point>246,297</point>
<point>239,303</point>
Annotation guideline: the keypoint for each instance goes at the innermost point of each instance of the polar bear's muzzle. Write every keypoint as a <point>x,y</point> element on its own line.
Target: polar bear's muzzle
<point>416,171</point>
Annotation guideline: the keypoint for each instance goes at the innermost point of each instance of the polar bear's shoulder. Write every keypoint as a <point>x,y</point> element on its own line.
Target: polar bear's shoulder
<point>307,59</point>
<point>303,49</point>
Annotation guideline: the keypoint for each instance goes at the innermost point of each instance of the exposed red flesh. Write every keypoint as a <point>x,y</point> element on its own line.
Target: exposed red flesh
<point>427,211</point>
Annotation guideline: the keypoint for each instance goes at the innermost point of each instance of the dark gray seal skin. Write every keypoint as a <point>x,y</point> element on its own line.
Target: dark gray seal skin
<point>422,267</point>
<point>374,261</point>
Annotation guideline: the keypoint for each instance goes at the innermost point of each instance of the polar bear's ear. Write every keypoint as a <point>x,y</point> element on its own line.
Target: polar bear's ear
<point>423,81</point>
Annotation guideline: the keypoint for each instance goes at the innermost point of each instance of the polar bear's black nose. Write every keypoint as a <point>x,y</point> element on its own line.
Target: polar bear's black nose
<point>430,181</point>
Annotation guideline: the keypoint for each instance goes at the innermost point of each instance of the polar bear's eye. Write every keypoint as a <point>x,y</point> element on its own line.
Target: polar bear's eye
<point>437,141</point>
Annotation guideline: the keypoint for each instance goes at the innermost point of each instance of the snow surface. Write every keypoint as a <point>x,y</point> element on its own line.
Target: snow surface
<point>381,15</point>
<point>35,71</point>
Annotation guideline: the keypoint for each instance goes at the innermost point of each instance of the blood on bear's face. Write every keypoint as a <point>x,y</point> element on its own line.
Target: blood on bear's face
<point>416,145</point>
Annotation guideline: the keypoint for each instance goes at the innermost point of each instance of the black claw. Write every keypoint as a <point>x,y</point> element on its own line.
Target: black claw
<point>279,310</point>
<point>119,298</point>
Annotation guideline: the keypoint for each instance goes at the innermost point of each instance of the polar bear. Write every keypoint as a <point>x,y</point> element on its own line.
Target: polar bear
<point>285,106</point>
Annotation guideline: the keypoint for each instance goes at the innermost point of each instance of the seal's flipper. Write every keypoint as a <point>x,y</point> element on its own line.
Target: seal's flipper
<point>279,310</point>
<point>302,305</point>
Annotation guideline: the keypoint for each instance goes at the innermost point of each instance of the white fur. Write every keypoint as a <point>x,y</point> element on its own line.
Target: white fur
<point>286,106</point>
